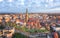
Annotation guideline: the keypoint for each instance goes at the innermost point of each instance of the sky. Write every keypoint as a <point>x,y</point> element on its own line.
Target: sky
<point>18,6</point>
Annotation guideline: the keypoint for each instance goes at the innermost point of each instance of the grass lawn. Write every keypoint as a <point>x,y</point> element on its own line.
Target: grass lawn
<point>18,35</point>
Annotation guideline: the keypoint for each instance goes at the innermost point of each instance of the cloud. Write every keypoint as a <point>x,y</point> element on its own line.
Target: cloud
<point>51,0</point>
<point>46,5</point>
<point>57,4</point>
<point>34,5</point>
<point>47,0</point>
<point>10,0</point>
<point>1,0</point>
<point>21,2</point>
<point>55,9</point>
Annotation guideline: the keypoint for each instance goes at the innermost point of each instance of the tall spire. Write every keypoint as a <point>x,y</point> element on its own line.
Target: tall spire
<point>26,16</point>
<point>26,11</point>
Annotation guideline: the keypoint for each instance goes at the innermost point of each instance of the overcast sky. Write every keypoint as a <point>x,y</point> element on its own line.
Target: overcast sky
<point>32,5</point>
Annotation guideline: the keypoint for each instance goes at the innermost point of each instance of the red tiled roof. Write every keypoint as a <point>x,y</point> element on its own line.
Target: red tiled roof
<point>21,20</point>
<point>31,18</point>
<point>29,23</point>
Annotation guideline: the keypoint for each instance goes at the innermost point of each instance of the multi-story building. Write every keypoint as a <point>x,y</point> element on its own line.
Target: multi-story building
<point>7,32</point>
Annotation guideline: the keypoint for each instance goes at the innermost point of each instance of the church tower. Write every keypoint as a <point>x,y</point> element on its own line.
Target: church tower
<point>26,16</point>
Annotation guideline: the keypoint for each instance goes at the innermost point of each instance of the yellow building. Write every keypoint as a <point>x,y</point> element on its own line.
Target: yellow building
<point>7,18</point>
